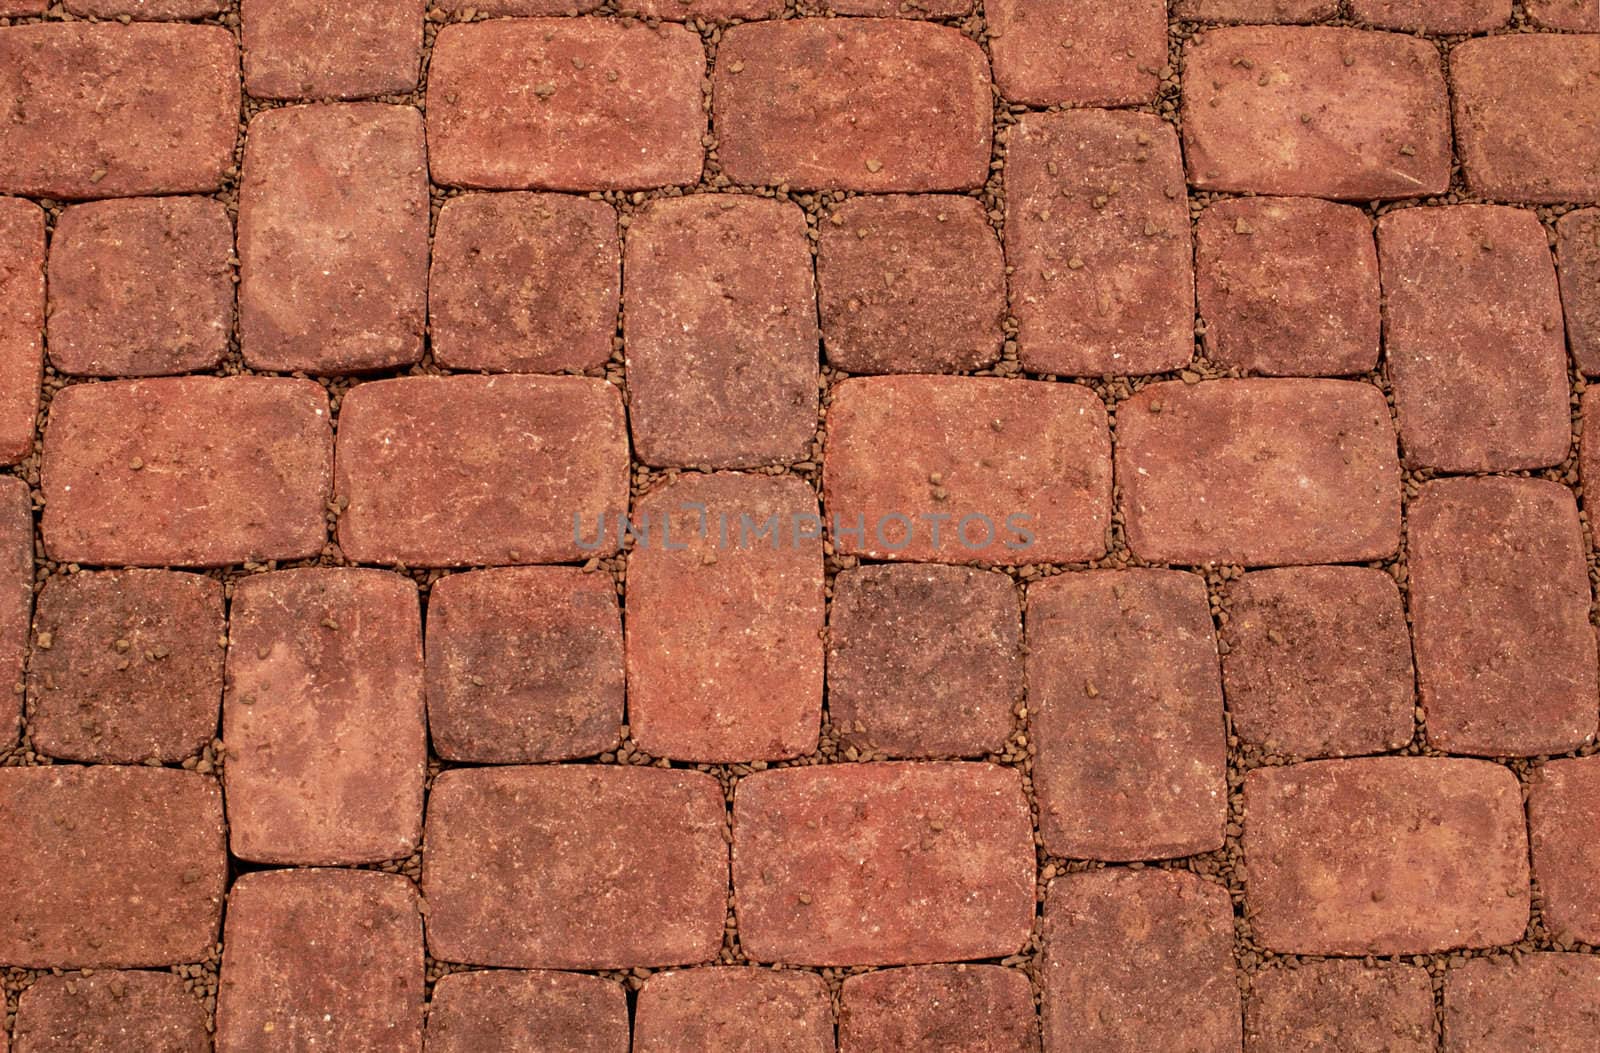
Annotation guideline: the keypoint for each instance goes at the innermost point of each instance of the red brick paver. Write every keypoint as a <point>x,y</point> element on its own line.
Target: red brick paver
<point>739,1010</point>
<point>1137,961</point>
<point>721,332</point>
<point>321,959</point>
<point>1126,715</point>
<point>1333,1006</point>
<point>447,471</point>
<point>307,49</point>
<point>154,10</point>
<point>1097,236</point>
<point>1255,10</point>
<point>702,10</point>
<point>109,866</point>
<point>191,471</point>
<point>1433,16</point>
<point>22,321</point>
<point>1323,112</point>
<point>976,1008</point>
<point>120,1010</point>
<point>565,104</point>
<point>1547,1002</point>
<point>527,1012</point>
<point>1259,472</point>
<point>112,111</point>
<point>725,617</point>
<point>964,469</point>
<point>1506,660</point>
<point>859,104</point>
<point>1385,855</point>
<point>1563,803</point>
<point>21,8</point>
<point>575,867</point>
<point>882,864</point>
<point>1080,52</point>
<point>1578,256</point>
<point>1579,15</point>
<point>16,600</point>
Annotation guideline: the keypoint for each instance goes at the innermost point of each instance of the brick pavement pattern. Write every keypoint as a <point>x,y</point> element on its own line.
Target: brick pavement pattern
<point>818,526</point>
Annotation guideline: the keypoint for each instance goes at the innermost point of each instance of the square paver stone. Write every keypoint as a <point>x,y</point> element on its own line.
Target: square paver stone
<point>743,1008</point>
<point>1333,1006</point>
<point>115,1011</point>
<point>1078,52</point>
<point>309,49</point>
<point>1581,16</point>
<point>981,1008</point>
<point>1564,827</point>
<point>1538,1001</point>
<point>536,1011</point>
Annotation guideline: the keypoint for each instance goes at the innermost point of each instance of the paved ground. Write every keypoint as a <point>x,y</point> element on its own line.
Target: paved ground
<point>1107,565</point>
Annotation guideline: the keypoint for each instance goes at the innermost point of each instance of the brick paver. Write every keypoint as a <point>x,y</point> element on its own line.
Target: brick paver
<point>1579,15</point>
<point>1527,114</point>
<point>141,287</point>
<point>324,721</point>
<point>112,111</point>
<point>980,1008</point>
<point>1385,855</point>
<point>1332,1006</point>
<point>575,867</point>
<point>1079,52</point>
<point>725,618</point>
<point>109,866</point>
<point>16,600</point>
<point>1126,715</point>
<point>721,332</point>
<point>524,283</point>
<point>911,284</point>
<point>154,10</point>
<point>965,469</point>
<point>517,8</point>
<point>333,235</point>
<point>1137,961</point>
<point>1318,661</point>
<point>1433,16</point>
<point>22,320</point>
<point>924,660</point>
<point>21,8</point>
<point>321,959</point>
<point>735,1009</point>
<point>308,49</point>
<point>1541,1001</point>
<point>1097,236</point>
<point>191,471</point>
<point>565,104</point>
<point>126,666</point>
<point>1578,256</point>
<point>524,664</point>
<point>1259,472</point>
<point>860,104</point>
<point>1563,801</point>
<point>1500,608</point>
<point>1480,381</point>
<point>1288,286</point>
<point>892,863</point>
<point>1255,10</point>
<point>527,1012</point>
<point>449,471</point>
<point>117,1010</point>
<point>702,10</point>
<point>1316,111</point>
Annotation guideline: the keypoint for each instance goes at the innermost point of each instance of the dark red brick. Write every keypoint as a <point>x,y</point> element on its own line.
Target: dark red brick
<point>1385,855</point>
<point>1097,236</point>
<point>702,10</point>
<point>738,1010</point>
<point>24,9</point>
<point>1506,661</point>
<point>724,626</point>
<point>1433,16</point>
<point>333,239</point>
<point>989,470</point>
<point>882,864</point>
<point>1318,661</point>
<point>924,660</point>
<point>190,471</point>
<point>141,287</point>
<point>109,866</point>
<point>1139,960</point>
<point>342,49</point>
<point>1563,806</point>
<point>527,1012</point>
<point>1255,10</point>
<point>451,471</point>
<point>1527,113</point>
<point>1337,1006</point>
<point>721,332</point>
<point>1259,472</point>
<point>16,599</point>
<point>153,10</point>
<point>1078,52</point>
<point>911,284</point>
<point>1578,254</point>
<point>565,104</point>
<point>321,959</point>
<point>1288,286</point>
<point>1581,16</point>
<point>324,717</point>
<point>575,867</point>
<point>524,283</point>
<point>111,1012</point>
<point>938,1009</point>
<point>104,110</point>
<point>858,104</point>
<point>524,665</point>
<point>1480,380</point>
<point>127,665</point>
<point>1126,715</point>
<point>22,320</point>
<point>1544,1002</point>
<point>1315,112</point>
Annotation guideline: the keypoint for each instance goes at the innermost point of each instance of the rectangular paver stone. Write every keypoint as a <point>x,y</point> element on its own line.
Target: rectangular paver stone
<point>1385,855</point>
<point>882,864</point>
<point>975,1008</point>
<point>22,322</point>
<point>1332,1006</point>
<point>113,1011</point>
<point>324,717</point>
<point>1255,10</point>
<point>1564,828</point>
<point>1582,16</point>
<point>535,1011</point>
<point>150,10</point>
<point>1317,112</point>
<point>691,1010</point>
<point>1578,262</point>
<point>189,471</point>
<point>16,599</point>
<point>343,49</point>
<point>1078,52</point>
<point>575,867</point>
<point>1544,1002</point>
<point>1433,16</point>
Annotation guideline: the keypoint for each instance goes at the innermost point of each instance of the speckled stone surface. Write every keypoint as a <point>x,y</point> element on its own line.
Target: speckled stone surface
<point>527,1012</point>
<point>22,319</point>
<point>1335,1005</point>
<point>111,1011</point>
<point>977,1008</point>
<point>1563,806</point>
<point>739,1010</point>
<point>1544,1001</point>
